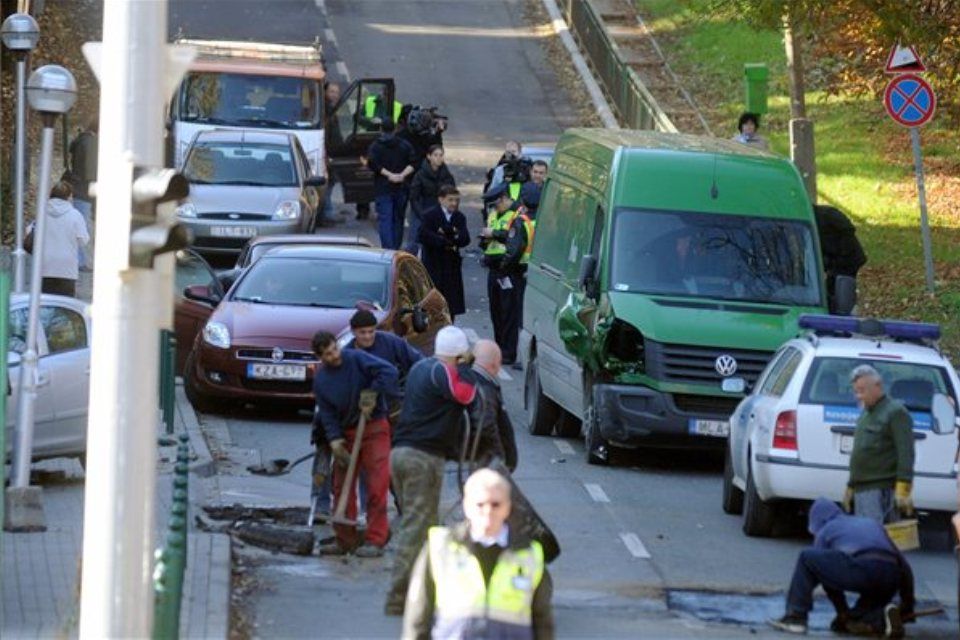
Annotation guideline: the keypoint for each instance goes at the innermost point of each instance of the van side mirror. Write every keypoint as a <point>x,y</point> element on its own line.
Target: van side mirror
<point>586,279</point>
<point>844,295</point>
<point>944,414</point>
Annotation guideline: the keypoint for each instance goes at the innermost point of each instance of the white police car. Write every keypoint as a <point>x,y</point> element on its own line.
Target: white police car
<point>791,438</point>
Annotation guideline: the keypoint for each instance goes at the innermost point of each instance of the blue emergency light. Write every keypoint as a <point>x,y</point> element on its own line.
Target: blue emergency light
<point>897,329</point>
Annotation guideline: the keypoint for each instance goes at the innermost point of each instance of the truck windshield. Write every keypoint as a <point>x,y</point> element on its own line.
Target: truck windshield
<point>704,255</point>
<point>239,163</point>
<point>276,102</point>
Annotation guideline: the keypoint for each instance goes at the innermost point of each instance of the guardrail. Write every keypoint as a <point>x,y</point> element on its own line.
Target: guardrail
<point>171,559</point>
<point>635,106</point>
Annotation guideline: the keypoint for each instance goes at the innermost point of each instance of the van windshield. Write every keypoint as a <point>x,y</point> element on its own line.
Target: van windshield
<point>704,255</point>
<point>276,102</point>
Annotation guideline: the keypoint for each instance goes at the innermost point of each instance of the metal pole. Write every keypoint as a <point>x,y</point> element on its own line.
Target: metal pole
<point>129,307</point>
<point>924,221</point>
<point>4,371</point>
<point>19,255</point>
<point>27,396</point>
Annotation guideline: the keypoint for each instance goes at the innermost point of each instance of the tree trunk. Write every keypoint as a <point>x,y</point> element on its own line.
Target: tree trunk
<point>798,104</point>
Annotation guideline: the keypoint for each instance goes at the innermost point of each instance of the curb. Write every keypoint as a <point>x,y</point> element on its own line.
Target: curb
<point>204,466</point>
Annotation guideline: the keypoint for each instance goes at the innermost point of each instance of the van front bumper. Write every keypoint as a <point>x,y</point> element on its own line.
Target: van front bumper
<point>633,415</point>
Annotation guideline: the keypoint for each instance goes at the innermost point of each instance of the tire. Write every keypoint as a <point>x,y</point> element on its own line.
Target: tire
<point>597,449</point>
<point>200,402</point>
<point>568,426</point>
<point>732,496</point>
<point>758,516</point>
<point>542,412</point>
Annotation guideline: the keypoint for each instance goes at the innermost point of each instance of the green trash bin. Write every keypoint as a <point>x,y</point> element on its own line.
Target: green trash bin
<point>756,77</point>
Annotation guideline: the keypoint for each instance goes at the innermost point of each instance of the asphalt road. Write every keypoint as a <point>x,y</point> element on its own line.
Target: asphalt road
<point>646,548</point>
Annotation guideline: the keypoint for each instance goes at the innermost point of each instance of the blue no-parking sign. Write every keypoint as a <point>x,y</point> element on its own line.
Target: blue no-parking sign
<point>910,100</point>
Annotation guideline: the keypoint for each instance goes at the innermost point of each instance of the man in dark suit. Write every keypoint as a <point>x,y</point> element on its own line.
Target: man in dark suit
<point>443,233</point>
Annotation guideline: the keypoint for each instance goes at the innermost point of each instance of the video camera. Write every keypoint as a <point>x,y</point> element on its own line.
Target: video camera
<point>426,121</point>
<point>517,169</point>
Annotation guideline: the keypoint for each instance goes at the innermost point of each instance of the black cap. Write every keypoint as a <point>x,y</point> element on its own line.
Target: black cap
<point>363,318</point>
<point>495,192</point>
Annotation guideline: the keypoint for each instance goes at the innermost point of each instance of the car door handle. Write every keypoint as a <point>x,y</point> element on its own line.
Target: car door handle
<point>42,380</point>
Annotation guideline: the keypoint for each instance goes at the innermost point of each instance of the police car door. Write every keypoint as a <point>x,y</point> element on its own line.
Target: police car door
<point>827,413</point>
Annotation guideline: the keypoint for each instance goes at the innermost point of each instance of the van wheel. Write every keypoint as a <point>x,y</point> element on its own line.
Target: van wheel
<point>758,516</point>
<point>568,426</point>
<point>732,496</point>
<point>542,411</point>
<point>598,450</point>
<point>200,402</point>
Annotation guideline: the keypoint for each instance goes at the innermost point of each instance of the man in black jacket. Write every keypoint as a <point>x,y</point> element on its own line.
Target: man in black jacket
<point>443,232</point>
<point>489,420</point>
<point>392,161</point>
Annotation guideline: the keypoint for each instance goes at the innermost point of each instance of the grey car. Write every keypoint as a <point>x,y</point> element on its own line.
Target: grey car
<point>247,183</point>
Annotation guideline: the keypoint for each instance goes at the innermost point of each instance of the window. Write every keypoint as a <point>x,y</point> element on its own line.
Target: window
<point>275,102</point>
<point>17,338</point>
<point>783,369</point>
<point>241,163</point>
<point>65,329</point>
<point>311,282</point>
<point>191,270</point>
<point>910,383</point>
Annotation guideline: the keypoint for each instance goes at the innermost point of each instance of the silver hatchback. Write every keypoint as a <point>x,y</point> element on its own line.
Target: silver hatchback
<point>247,183</point>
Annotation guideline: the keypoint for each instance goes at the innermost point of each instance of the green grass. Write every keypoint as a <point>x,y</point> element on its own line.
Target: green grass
<point>864,161</point>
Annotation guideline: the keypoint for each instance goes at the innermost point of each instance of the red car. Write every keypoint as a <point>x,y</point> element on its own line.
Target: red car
<point>255,347</point>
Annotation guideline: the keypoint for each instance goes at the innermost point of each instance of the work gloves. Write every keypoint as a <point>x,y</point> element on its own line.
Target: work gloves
<point>847,502</point>
<point>368,402</point>
<point>340,452</point>
<point>903,498</point>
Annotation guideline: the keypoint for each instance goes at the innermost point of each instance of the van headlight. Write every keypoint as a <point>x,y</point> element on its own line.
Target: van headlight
<point>217,335</point>
<point>287,210</point>
<point>187,210</point>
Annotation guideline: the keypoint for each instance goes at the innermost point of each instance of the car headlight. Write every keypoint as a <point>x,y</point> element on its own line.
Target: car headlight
<point>217,334</point>
<point>344,339</point>
<point>187,210</point>
<point>287,210</point>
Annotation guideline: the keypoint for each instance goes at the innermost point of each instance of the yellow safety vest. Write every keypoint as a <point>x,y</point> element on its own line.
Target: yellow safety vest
<point>504,608</point>
<point>530,225</point>
<point>515,189</point>
<point>370,108</point>
<point>499,222</point>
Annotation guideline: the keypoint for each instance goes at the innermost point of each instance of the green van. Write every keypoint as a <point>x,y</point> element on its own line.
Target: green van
<point>666,269</point>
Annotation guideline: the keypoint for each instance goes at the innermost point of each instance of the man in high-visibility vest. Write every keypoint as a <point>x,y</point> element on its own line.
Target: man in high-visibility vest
<point>480,579</point>
<point>501,281</point>
<point>519,246</point>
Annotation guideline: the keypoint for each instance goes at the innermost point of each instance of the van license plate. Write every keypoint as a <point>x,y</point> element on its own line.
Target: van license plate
<point>265,371</point>
<point>233,231</point>
<point>846,444</point>
<point>713,428</point>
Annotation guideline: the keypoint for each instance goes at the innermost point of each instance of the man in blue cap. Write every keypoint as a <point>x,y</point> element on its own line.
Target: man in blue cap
<point>850,553</point>
<point>503,278</point>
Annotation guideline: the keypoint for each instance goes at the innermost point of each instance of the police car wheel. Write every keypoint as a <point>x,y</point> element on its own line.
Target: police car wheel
<point>732,495</point>
<point>542,411</point>
<point>758,516</point>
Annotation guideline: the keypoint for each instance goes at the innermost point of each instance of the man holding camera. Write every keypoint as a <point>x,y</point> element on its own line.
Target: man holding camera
<point>443,232</point>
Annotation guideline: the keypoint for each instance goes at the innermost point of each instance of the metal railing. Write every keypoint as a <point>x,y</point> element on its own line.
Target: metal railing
<point>635,106</point>
<point>168,378</point>
<point>171,559</point>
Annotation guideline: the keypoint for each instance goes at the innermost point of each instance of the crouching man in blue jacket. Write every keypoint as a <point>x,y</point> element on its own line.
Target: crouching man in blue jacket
<point>855,554</point>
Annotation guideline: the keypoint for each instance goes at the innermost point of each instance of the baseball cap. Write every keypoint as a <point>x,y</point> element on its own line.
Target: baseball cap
<point>451,342</point>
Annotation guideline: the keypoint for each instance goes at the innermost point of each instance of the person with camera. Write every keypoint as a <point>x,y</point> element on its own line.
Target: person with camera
<point>422,128</point>
<point>424,190</point>
<point>511,152</point>
<point>443,233</point>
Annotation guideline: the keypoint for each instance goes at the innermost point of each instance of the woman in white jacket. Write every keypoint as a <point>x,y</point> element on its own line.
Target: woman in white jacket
<point>65,232</point>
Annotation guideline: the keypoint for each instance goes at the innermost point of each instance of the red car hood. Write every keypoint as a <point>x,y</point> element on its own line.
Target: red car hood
<point>280,325</point>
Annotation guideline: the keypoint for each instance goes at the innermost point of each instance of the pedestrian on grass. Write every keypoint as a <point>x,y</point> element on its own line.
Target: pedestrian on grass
<point>747,127</point>
<point>488,413</point>
<point>342,387</point>
<point>428,433</point>
<point>392,160</point>
<point>443,233</point>
<point>65,234</point>
<point>854,554</point>
<point>480,579</point>
<point>424,191</point>
<point>881,463</point>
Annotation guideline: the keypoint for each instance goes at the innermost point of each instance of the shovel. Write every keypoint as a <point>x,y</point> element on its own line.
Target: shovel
<point>368,401</point>
<point>278,466</point>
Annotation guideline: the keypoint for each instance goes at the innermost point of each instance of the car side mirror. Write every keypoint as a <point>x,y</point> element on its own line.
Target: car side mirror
<point>944,414</point>
<point>200,293</point>
<point>315,181</point>
<point>588,272</point>
<point>844,295</point>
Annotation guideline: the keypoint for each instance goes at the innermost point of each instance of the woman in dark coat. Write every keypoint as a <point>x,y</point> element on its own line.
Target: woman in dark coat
<point>442,234</point>
<point>424,189</point>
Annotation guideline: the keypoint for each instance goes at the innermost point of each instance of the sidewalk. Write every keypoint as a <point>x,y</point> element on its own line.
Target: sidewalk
<point>40,592</point>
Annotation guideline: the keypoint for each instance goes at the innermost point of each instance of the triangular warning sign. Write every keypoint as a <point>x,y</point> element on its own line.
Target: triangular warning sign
<point>904,60</point>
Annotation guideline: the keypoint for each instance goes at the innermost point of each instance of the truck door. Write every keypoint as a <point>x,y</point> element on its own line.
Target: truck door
<point>355,123</point>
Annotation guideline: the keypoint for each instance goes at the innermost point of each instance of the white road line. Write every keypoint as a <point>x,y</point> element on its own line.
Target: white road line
<point>472,336</point>
<point>342,70</point>
<point>564,447</point>
<point>634,546</point>
<point>321,4</point>
<point>331,36</point>
<point>503,375</point>
<point>596,492</point>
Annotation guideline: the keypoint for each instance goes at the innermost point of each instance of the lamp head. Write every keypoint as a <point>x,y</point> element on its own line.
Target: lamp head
<point>20,32</point>
<point>51,89</point>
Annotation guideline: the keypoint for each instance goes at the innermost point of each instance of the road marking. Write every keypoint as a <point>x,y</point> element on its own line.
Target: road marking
<point>331,36</point>
<point>503,375</point>
<point>342,70</point>
<point>634,546</point>
<point>321,4</point>
<point>564,447</point>
<point>596,492</point>
<point>472,336</point>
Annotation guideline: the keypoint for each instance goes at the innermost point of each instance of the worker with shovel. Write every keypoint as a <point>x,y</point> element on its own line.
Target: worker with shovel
<point>351,389</point>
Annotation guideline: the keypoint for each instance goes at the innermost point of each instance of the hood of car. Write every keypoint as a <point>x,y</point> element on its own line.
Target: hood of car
<point>216,198</point>
<point>256,324</point>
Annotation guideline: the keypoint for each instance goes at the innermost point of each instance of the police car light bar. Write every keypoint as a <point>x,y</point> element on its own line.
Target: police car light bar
<point>868,326</point>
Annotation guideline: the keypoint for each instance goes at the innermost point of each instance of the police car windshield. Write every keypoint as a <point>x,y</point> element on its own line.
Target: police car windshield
<point>704,255</point>
<point>912,384</point>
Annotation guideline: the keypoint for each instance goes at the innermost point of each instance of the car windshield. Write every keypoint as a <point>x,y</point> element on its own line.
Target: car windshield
<point>276,102</point>
<point>239,163</point>
<point>338,284</point>
<point>728,257</point>
<point>912,384</point>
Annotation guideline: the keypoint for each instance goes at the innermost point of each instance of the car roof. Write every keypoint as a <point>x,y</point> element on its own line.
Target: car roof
<point>244,135</point>
<point>836,347</point>
<point>334,252</point>
<point>293,238</point>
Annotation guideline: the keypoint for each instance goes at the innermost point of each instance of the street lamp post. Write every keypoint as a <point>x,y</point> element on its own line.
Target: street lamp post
<point>20,34</point>
<point>51,91</point>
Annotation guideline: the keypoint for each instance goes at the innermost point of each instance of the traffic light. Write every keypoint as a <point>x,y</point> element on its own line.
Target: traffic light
<point>154,229</point>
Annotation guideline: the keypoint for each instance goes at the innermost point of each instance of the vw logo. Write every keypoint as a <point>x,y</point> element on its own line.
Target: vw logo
<point>726,365</point>
<point>277,355</point>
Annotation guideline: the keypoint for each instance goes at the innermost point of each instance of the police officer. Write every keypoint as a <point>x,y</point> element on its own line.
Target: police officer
<point>503,277</point>
<point>519,245</point>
